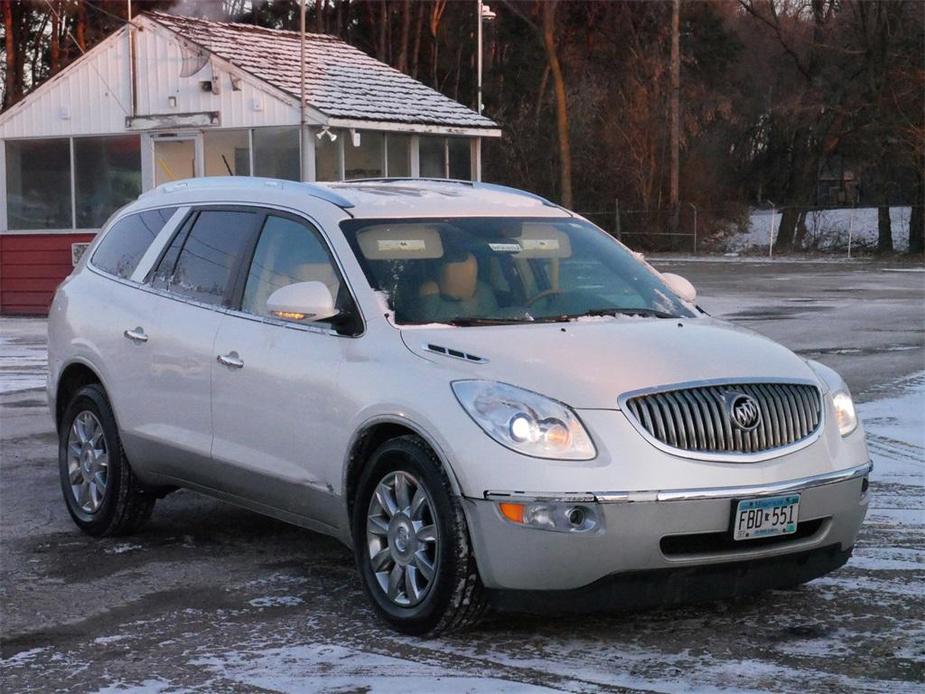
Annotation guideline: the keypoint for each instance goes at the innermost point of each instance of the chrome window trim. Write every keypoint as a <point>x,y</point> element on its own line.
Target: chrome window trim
<point>724,457</point>
<point>669,495</point>
<point>174,223</point>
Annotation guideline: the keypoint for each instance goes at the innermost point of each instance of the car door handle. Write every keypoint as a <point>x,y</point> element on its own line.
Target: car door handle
<point>136,335</point>
<point>231,360</point>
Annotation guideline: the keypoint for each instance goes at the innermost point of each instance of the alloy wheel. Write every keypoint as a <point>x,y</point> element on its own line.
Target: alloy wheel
<point>402,538</point>
<point>87,461</point>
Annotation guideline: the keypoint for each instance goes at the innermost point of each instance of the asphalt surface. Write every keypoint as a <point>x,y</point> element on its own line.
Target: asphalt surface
<point>213,598</point>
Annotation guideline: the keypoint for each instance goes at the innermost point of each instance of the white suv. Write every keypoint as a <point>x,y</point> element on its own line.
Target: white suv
<point>487,397</point>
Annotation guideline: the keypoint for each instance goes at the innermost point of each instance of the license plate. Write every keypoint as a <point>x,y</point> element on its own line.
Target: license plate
<point>766,517</point>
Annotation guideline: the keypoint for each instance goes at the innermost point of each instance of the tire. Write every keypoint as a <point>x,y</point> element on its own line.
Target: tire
<point>100,490</point>
<point>453,597</point>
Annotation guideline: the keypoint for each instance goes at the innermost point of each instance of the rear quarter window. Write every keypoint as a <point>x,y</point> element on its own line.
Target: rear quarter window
<point>126,242</point>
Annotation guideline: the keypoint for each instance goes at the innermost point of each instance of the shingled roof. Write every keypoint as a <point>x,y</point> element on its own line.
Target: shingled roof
<point>341,81</point>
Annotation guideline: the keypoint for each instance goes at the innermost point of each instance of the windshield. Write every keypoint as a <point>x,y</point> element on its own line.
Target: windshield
<point>477,270</point>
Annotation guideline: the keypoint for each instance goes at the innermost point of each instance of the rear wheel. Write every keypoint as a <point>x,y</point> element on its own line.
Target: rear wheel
<point>102,493</point>
<point>412,544</point>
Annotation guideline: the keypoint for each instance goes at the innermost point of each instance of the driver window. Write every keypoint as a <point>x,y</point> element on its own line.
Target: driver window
<point>287,252</point>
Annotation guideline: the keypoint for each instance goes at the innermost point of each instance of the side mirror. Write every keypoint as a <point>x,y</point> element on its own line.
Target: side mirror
<point>680,286</point>
<point>302,301</point>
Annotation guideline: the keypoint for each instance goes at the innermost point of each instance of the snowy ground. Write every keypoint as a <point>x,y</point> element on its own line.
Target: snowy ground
<point>212,598</point>
<point>826,229</point>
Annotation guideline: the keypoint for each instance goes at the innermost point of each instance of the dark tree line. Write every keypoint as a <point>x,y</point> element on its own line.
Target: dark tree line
<point>772,92</point>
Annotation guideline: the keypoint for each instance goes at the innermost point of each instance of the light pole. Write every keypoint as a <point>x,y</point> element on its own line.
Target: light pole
<point>485,14</point>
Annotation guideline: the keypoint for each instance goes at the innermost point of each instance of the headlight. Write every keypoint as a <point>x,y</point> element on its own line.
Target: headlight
<point>845,415</point>
<point>525,421</point>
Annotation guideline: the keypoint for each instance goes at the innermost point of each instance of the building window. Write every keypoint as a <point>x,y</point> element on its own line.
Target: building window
<point>364,155</point>
<point>228,152</point>
<point>107,175</point>
<point>276,152</point>
<point>433,157</point>
<point>460,154</point>
<point>399,163</point>
<point>38,184</point>
<point>327,152</point>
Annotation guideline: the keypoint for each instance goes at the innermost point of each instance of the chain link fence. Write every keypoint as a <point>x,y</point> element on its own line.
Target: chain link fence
<point>735,228</point>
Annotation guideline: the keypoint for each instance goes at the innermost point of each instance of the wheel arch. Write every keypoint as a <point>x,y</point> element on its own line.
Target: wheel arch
<point>372,434</point>
<point>73,377</point>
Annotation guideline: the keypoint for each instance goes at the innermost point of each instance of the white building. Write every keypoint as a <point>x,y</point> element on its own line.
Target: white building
<point>172,97</point>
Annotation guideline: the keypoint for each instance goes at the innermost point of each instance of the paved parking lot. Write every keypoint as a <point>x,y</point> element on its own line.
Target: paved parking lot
<point>210,597</point>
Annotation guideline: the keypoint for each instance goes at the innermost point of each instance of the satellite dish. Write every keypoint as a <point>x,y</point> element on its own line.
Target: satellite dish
<point>194,59</point>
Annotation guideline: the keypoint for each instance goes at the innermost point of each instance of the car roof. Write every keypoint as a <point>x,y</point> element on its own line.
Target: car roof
<point>368,198</point>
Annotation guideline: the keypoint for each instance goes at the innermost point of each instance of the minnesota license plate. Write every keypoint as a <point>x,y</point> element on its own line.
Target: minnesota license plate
<point>767,517</point>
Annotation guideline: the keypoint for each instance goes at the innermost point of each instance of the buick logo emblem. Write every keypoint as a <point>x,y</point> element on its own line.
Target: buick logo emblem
<point>743,411</point>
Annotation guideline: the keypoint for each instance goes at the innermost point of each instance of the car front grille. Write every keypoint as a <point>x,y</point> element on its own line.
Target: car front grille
<point>702,419</point>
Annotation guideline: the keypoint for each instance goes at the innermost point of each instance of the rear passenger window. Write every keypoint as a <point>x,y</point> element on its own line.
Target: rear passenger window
<point>201,265</point>
<point>126,242</point>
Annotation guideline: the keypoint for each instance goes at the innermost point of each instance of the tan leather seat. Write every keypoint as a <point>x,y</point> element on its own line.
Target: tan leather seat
<point>457,292</point>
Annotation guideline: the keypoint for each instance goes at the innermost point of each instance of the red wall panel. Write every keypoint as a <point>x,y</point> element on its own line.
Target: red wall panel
<point>31,267</point>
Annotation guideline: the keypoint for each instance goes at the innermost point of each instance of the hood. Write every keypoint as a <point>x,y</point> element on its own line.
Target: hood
<point>589,364</point>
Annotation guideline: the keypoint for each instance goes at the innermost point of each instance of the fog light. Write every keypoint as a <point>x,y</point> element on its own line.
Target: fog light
<point>576,516</point>
<point>865,485</point>
<point>558,516</point>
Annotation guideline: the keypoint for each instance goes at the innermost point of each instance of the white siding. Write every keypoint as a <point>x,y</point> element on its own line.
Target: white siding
<point>159,62</point>
<point>91,93</point>
<point>93,96</point>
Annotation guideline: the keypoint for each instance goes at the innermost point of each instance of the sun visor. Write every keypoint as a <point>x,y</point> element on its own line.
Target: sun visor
<point>401,241</point>
<point>539,240</point>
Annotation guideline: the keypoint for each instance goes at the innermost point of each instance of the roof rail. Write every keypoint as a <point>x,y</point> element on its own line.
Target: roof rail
<point>514,191</point>
<point>472,184</point>
<point>206,182</point>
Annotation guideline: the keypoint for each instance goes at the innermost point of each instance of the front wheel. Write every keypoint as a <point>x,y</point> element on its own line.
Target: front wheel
<point>412,544</point>
<point>102,493</point>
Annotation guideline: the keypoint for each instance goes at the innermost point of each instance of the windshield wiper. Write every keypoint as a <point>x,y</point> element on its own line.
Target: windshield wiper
<point>468,322</point>
<point>614,311</point>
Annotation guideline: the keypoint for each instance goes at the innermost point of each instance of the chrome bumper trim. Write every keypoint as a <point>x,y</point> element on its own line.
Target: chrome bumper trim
<point>687,494</point>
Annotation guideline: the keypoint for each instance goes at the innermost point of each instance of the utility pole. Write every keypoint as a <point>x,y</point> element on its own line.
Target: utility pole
<point>675,114</point>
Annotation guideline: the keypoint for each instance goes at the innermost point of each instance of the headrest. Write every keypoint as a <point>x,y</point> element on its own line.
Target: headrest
<point>458,280</point>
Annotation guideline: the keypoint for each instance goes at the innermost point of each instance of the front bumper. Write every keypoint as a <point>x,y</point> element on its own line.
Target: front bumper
<point>659,530</point>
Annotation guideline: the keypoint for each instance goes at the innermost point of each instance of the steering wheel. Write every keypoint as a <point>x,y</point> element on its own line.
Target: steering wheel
<point>542,295</point>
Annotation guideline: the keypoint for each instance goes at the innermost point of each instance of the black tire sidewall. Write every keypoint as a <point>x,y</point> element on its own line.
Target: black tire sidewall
<point>404,455</point>
<point>93,399</point>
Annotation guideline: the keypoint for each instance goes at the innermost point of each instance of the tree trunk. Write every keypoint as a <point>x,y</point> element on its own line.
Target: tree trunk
<point>917,218</point>
<point>10,91</point>
<point>786,231</point>
<point>405,33</point>
<point>416,51</point>
<point>55,39</point>
<point>383,25</point>
<point>884,230</point>
<point>80,30</point>
<point>558,80</point>
<point>319,16</point>
<point>675,160</point>
<point>436,15</point>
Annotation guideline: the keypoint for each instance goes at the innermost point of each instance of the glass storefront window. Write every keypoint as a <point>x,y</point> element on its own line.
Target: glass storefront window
<point>227,153</point>
<point>432,151</point>
<point>366,159</point>
<point>107,175</point>
<point>276,152</point>
<point>326,153</point>
<point>38,184</point>
<point>399,155</point>
<point>460,158</point>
